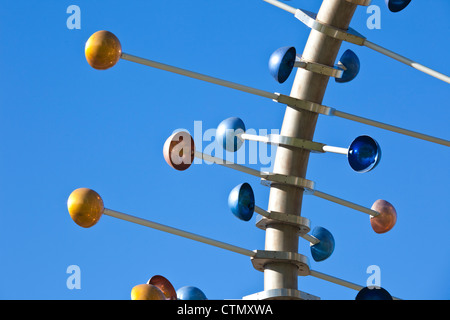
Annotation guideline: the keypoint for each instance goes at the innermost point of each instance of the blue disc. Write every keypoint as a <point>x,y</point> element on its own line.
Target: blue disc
<point>242,201</point>
<point>282,62</point>
<point>373,294</point>
<point>227,131</point>
<point>352,64</point>
<point>190,293</point>
<point>397,5</point>
<point>325,247</point>
<point>364,154</point>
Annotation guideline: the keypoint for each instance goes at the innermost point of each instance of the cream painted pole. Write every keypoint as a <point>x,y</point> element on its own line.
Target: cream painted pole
<point>301,124</point>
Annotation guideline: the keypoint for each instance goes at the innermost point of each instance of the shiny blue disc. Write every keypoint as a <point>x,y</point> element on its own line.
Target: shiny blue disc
<point>325,247</point>
<point>351,62</point>
<point>242,201</point>
<point>190,293</point>
<point>373,294</point>
<point>364,154</point>
<point>282,62</point>
<point>227,132</point>
<point>397,5</point>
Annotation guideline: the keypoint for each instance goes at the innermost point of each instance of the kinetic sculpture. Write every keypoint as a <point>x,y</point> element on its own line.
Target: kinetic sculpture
<point>282,221</point>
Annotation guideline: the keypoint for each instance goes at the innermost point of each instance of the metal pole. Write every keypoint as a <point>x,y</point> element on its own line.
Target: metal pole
<point>300,124</point>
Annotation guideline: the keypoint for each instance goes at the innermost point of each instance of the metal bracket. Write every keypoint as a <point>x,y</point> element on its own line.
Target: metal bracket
<point>335,72</point>
<point>303,224</point>
<point>309,19</point>
<point>263,257</point>
<point>268,179</point>
<point>281,294</point>
<point>296,143</point>
<point>303,105</point>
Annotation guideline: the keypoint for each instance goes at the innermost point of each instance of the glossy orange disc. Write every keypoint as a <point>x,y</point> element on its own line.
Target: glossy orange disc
<point>103,50</point>
<point>165,286</point>
<point>146,292</point>
<point>387,218</point>
<point>85,207</point>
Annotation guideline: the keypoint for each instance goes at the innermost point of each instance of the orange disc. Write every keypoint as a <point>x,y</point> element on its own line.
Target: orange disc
<point>85,207</point>
<point>165,286</point>
<point>147,292</point>
<point>387,218</point>
<point>103,50</point>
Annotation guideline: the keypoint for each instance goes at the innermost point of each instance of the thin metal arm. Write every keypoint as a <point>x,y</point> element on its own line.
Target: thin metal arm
<point>198,76</point>
<point>338,281</point>
<point>407,61</point>
<point>283,99</point>
<point>335,149</point>
<point>228,164</point>
<point>178,232</point>
<point>313,240</point>
<point>389,127</point>
<point>345,203</point>
<point>282,5</point>
<point>293,142</point>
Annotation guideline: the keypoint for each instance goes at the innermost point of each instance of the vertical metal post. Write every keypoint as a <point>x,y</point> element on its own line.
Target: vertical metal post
<point>301,124</point>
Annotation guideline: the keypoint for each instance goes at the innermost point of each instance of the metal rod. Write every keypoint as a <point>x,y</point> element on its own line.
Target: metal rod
<point>345,203</point>
<point>385,126</point>
<point>198,76</point>
<point>262,212</point>
<point>228,164</point>
<point>178,232</point>
<point>266,139</point>
<point>275,96</point>
<point>338,281</point>
<point>407,61</point>
<point>281,5</point>
<point>253,137</point>
<point>313,240</point>
<point>335,149</point>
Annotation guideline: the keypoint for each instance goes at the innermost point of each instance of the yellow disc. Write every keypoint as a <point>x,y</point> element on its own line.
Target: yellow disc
<point>147,292</point>
<point>85,207</point>
<point>103,50</point>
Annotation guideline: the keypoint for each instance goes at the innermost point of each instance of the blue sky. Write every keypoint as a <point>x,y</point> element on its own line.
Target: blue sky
<point>64,125</point>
